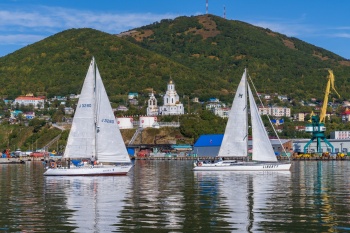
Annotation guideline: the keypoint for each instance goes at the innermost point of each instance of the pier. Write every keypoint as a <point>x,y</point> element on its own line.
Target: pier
<point>283,158</point>
<point>23,159</point>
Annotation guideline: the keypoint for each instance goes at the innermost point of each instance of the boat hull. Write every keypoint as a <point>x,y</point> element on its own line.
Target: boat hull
<point>89,171</point>
<point>244,166</point>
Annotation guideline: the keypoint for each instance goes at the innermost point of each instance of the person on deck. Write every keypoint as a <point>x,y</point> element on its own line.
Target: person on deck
<point>92,160</point>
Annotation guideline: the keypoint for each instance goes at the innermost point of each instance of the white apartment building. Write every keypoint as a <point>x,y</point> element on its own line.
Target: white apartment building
<point>340,134</point>
<point>275,111</point>
<point>29,100</point>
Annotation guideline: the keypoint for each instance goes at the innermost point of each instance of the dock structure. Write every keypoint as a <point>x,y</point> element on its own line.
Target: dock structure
<point>173,156</point>
<point>11,161</point>
<point>211,158</point>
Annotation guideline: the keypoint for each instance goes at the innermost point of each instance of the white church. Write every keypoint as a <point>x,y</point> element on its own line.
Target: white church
<point>152,109</point>
<point>171,100</point>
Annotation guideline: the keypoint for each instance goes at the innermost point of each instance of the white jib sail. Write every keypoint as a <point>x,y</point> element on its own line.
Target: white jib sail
<point>235,141</point>
<point>81,139</point>
<point>110,144</point>
<point>262,148</point>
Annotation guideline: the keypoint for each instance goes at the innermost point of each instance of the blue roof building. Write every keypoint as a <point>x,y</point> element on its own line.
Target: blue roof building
<point>208,145</point>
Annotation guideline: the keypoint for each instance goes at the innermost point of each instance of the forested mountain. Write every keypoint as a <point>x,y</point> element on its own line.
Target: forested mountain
<point>205,56</point>
<point>223,48</point>
<point>57,65</point>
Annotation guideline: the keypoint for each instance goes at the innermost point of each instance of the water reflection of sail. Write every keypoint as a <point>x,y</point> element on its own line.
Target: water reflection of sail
<point>96,202</point>
<point>248,198</point>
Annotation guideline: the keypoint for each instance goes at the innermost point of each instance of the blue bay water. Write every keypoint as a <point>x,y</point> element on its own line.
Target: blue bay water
<point>167,196</point>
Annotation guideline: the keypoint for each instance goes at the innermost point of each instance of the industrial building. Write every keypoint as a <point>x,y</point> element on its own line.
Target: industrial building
<point>340,145</point>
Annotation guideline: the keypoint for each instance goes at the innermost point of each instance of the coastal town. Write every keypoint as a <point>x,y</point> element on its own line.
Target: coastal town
<point>174,116</point>
<point>278,107</point>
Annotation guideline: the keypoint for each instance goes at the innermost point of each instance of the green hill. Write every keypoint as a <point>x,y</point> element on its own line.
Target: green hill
<point>57,65</point>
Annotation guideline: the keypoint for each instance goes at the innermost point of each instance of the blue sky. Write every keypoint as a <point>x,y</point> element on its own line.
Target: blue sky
<point>323,23</point>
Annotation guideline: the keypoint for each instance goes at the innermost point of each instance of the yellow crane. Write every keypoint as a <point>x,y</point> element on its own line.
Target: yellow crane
<point>317,127</point>
<point>330,84</point>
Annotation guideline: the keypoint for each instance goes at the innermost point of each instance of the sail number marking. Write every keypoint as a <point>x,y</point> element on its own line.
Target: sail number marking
<point>270,166</point>
<point>85,106</point>
<point>108,121</point>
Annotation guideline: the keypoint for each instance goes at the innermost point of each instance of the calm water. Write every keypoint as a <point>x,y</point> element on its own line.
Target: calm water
<point>167,196</point>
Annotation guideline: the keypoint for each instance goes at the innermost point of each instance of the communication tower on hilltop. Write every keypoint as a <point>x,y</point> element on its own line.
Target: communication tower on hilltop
<point>206,6</point>
<point>224,12</point>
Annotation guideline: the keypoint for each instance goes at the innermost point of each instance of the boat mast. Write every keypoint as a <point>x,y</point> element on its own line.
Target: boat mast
<point>246,112</point>
<point>95,110</point>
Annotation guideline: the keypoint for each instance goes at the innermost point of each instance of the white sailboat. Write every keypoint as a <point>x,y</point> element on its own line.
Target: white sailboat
<point>94,134</point>
<point>235,140</point>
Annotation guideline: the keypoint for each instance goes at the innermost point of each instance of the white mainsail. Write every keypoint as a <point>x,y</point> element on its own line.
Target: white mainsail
<point>235,141</point>
<point>95,131</point>
<point>262,148</point>
<point>81,139</point>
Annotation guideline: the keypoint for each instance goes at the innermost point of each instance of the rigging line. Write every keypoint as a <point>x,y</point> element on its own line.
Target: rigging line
<point>268,117</point>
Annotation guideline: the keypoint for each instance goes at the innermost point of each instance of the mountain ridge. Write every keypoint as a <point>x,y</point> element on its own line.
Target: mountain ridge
<point>205,55</point>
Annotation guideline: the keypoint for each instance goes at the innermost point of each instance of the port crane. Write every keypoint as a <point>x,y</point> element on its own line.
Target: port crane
<point>317,126</point>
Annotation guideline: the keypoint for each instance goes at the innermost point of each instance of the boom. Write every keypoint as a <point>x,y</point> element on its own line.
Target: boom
<point>330,84</point>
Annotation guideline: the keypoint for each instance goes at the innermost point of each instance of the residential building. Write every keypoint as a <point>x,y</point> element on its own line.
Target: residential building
<point>222,112</point>
<point>132,95</point>
<point>29,100</point>
<point>300,128</point>
<point>299,116</point>
<point>195,100</point>
<point>15,113</point>
<point>346,104</point>
<point>282,97</point>
<point>275,111</point>
<point>29,115</point>
<point>217,107</point>
<point>122,108</point>
<point>346,115</point>
<point>213,105</point>
<point>340,134</point>
<point>68,110</point>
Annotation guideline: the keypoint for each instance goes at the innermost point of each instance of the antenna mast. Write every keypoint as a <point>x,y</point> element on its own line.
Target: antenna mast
<point>224,12</point>
<point>206,6</point>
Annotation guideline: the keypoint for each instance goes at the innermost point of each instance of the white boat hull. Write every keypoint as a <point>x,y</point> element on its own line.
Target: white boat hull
<point>242,166</point>
<point>103,170</point>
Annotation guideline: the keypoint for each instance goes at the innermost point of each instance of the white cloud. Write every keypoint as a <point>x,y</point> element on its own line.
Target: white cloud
<point>21,39</point>
<point>48,18</point>
<point>24,26</point>
<point>25,19</point>
<point>286,28</point>
<point>342,35</point>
